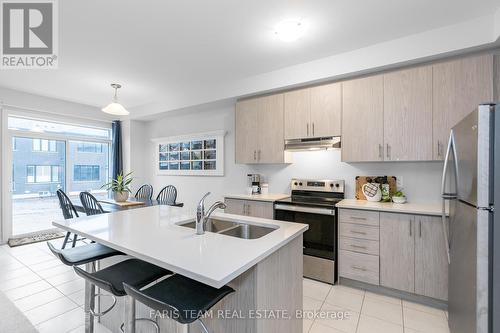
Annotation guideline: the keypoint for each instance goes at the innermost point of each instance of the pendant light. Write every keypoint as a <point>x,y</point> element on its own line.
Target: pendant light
<point>114,107</point>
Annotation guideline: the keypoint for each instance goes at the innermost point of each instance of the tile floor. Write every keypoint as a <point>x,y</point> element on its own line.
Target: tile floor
<point>46,291</point>
<point>366,312</point>
<point>51,296</point>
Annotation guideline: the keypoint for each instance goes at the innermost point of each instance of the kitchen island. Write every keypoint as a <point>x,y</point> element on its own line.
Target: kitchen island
<point>265,272</point>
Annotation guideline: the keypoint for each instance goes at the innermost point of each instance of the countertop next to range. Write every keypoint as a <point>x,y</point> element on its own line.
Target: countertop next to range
<point>270,197</point>
<point>406,208</point>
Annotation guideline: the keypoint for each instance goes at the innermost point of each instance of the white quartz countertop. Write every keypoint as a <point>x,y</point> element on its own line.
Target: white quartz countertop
<point>153,234</point>
<point>408,208</point>
<point>258,197</point>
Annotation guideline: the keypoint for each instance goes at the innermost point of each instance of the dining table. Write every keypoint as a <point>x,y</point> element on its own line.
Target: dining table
<point>110,207</point>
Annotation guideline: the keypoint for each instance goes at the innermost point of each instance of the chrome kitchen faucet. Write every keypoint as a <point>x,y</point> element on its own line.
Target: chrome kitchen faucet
<point>201,217</point>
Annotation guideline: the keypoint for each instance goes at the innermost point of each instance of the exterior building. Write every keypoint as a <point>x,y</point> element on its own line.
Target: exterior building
<point>39,166</point>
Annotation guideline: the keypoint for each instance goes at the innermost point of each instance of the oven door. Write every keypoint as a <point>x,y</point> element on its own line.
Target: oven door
<point>319,239</point>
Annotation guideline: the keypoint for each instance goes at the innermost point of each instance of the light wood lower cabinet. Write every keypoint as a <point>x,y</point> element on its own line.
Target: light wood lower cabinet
<point>397,251</point>
<point>263,209</point>
<point>431,262</point>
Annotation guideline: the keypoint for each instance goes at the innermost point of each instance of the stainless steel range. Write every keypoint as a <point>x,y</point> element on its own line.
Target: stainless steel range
<point>313,202</point>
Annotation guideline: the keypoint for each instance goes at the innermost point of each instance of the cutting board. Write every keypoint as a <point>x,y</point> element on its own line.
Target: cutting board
<point>361,180</point>
<point>122,204</point>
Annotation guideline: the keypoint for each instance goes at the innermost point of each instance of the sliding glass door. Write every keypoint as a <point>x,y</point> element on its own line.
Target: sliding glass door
<point>38,171</point>
<point>48,156</point>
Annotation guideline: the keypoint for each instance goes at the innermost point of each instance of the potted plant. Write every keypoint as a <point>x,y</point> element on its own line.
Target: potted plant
<point>120,186</point>
<point>399,197</point>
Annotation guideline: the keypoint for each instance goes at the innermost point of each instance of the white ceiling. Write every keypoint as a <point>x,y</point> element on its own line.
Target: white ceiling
<point>171,49</point>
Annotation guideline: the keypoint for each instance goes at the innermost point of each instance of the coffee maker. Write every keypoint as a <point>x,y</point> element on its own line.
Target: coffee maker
<point>254,183</point>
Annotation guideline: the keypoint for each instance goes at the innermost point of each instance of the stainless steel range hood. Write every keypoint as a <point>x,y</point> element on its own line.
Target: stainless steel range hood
<point>313,143</point>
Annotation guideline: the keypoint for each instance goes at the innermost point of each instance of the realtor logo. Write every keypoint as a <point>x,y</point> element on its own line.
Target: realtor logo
<point>29,34</point>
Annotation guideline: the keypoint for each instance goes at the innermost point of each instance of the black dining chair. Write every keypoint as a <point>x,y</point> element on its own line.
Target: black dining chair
<point>145,192</point>
<point>69,212</point>
<point>168,196</point>
<point>90,204</point>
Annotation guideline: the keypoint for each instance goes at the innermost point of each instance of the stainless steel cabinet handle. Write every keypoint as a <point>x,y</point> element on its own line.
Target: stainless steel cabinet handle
<point>358,246</point>
<point>248,209</point>
<point>307,127</point>
<point>380,151</point>
<point>358,232</point>
<point>410,228</point>
<point>439,149</point>
<point>358,218</point>
<point>420,228</point>
<point>258,155</point>
<point>254,155</point>
<point>313,129</point>
<point>388,151</point>
<point>244,209</point>
<point>359,268</point>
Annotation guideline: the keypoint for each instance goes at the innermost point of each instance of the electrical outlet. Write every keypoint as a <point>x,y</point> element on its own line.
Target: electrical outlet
<point>399,182</point>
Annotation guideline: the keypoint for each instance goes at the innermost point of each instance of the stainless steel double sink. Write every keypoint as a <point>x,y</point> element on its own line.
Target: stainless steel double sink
<point>233,229</point>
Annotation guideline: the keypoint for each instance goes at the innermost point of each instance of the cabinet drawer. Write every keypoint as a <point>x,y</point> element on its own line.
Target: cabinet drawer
<point>359,217</point>
<point>358,231</point>
<point>360,267</point>
<point>359,245</point>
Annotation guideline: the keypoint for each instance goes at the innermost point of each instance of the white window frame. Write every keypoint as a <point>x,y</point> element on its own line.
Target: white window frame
<point>217,135</point>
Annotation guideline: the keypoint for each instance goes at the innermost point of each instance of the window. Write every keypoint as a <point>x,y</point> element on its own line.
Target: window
<point>44,145</point>
<point>86,147</point>
<point>86,173</point>
<point>42,173</point>
<point>41,126</point>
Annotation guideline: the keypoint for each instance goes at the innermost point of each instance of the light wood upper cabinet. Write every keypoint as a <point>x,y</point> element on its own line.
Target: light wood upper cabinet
<point>459,87</point>
<point>270,140</point>
<point>246,127</point>
<point>297,114</point>
<point>363,119</point>
<point>397,251</point>
<point>408,115</point>
<point>259,130</point>
<point>326,110</point>
<point>431,262</point>
<point>313,112</point>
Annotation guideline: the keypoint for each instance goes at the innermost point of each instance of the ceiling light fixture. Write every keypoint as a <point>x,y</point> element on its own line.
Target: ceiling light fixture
<point>289,31</point>
<point>114,107</point>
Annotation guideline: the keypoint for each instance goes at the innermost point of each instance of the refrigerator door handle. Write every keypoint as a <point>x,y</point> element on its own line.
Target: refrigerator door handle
<point>450,150</point>
<point>448,196</point>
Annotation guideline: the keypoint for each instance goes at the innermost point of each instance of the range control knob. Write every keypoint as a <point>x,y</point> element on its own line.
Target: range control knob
<point>337,185</point>
<point>295,183</point>
<point>300,184</point>
<point>331,185</point>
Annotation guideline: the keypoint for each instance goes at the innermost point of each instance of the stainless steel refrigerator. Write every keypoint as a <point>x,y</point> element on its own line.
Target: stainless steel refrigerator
<point>469,186</point>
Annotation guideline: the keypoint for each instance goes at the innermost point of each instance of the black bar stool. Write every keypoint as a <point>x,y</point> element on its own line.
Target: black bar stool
<point>84,255</point>
<point>134,272</point>
<point>182,299</point>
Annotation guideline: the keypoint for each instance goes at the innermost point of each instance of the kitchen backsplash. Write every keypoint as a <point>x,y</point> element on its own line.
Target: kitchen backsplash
<point>420,181</point>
